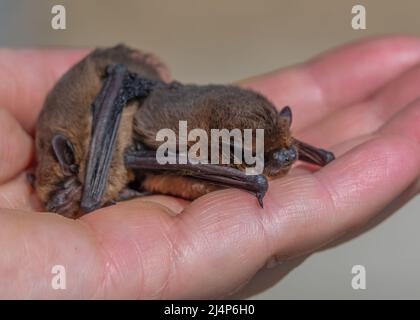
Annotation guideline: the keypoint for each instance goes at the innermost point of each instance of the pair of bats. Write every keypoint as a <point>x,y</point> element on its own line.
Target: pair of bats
<point>96,135</point>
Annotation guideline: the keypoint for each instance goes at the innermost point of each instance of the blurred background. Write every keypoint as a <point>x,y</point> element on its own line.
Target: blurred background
<point>222,41</point>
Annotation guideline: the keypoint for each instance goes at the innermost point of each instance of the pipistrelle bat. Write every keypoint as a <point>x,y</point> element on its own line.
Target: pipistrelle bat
<point>96,135</point>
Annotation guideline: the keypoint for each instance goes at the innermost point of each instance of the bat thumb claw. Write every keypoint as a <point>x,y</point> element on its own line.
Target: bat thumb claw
<point>329,156</point>
<point>260,197</point>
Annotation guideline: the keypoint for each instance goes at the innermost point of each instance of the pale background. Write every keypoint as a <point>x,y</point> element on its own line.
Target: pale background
<point>222,41</point>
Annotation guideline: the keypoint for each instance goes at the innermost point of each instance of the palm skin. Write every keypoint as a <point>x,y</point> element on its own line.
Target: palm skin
<point>361,101</point>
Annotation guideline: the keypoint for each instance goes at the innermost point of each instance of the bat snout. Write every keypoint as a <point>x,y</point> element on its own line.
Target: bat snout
<point>65,200</point>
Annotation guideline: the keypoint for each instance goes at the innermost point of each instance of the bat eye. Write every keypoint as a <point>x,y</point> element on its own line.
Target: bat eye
<point>285,157</point>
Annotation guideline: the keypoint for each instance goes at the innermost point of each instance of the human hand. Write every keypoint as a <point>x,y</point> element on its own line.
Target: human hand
<point>361,101</point>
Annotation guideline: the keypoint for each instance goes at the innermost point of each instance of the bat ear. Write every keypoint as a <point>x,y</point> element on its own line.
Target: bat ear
<point>64,153</point>
<point>286,113</point>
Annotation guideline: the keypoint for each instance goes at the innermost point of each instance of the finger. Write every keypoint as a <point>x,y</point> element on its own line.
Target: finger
<point>170,204</point>
<point>37,247</point>
<point>363,181</point>
<point>94,262</point>
<point>226,229</point>
<point>339,78</point>
<point>367,116</point>
<point>266,278</point>
<point>18,194</point>
<point>305,212</point>
<point>16,147</point>
<point>27,77</point>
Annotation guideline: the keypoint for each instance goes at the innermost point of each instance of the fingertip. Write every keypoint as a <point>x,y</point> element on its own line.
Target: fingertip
<point>337,78</point>
<point>30,74</point>
<point>16,146</point>
<point>371,174</point>
<point>352,72</point>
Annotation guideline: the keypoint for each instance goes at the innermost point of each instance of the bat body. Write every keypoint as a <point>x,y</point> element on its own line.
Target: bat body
<point>97,134</point>
<point>207,107</point>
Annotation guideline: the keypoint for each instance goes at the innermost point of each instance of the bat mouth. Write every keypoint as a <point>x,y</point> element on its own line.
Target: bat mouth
<point>65,199</point>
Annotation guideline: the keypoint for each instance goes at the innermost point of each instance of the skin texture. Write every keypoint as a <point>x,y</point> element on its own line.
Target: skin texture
<point>140,249</point>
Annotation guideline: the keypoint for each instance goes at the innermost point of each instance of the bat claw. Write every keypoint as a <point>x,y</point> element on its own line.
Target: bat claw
<point>329,156</point>
<point>260,197</point>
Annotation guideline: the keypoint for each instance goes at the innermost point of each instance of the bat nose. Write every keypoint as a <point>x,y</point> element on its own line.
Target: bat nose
<point>285,157</point>
<point>292,154</point>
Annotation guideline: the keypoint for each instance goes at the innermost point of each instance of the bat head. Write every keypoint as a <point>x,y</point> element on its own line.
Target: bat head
<point>57,176</point>
<point>281,150</point>
<point>62,164</point>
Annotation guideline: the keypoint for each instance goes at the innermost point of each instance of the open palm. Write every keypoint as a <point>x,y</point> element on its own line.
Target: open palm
<point>361,101</point>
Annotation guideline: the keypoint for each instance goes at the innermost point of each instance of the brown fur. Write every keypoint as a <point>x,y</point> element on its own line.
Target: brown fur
<point>211,107</point>
<point>67,110</point>
<point>207,107</point>
<point>179,186</point>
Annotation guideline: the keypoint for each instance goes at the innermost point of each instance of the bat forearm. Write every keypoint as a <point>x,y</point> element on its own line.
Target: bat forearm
<point>217,174</point>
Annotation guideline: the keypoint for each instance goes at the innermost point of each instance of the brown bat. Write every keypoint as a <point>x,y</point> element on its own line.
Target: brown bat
<point>96,135</point>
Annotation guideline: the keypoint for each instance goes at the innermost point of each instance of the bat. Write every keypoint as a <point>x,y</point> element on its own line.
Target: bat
<point>96,135</point>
